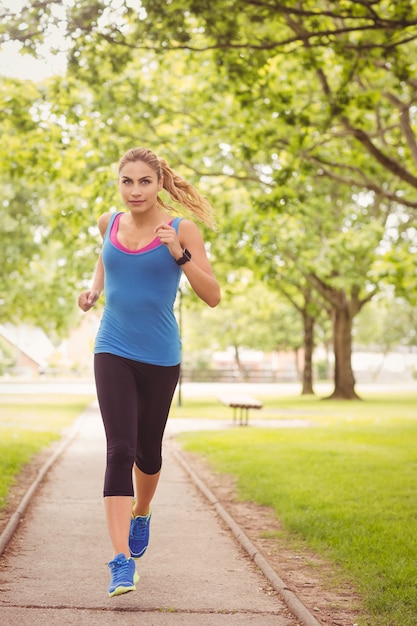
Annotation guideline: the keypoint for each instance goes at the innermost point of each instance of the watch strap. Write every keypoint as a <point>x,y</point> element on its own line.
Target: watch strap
<point>186,256</point>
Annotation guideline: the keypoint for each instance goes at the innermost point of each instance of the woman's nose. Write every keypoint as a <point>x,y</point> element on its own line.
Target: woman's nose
<point>136,191</point>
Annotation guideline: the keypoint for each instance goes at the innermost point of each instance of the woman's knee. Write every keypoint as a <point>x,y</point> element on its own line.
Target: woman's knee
<point>149,464</point>
<point>120,455</point>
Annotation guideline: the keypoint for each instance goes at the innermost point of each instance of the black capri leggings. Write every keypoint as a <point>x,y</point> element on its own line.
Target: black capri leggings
<point>134,399</point>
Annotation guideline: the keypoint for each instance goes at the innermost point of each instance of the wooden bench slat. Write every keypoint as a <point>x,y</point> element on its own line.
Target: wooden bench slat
<point>242,402</point>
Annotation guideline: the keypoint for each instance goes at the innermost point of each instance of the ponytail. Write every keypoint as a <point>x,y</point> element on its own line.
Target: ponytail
<point>179,189</point>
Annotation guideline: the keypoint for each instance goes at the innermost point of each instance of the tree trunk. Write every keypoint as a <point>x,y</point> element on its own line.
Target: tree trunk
<point>329,370</point>
<point>342,343</point>
<point>238,362</point>
<point>308,323</point>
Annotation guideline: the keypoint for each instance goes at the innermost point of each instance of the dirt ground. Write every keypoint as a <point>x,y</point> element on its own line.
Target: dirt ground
<point>317,584</point>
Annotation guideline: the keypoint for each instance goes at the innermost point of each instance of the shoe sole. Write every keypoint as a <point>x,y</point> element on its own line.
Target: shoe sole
<point>136,557</point>
<point>121,589</point>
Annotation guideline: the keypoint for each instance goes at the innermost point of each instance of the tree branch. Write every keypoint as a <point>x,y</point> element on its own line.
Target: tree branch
<point>405,123</point>
<point>364,182</point>
<point>328,293</point>
<point>387,162</point>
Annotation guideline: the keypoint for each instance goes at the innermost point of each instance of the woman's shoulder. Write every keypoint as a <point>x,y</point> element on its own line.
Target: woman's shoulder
<point>103,222</point>
<point>187,227</point>
<point>189,233</point>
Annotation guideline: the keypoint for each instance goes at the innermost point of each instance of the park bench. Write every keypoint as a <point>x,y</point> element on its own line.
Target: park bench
<point>241,405</point>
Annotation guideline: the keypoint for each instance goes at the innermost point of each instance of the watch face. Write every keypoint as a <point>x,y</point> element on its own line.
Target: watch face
<point>186,256</point>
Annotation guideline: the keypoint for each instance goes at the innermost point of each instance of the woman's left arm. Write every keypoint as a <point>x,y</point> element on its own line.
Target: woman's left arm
<point>198,270</point>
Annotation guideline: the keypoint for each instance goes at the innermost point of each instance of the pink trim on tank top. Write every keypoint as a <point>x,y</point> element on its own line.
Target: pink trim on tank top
<point>113,238</point>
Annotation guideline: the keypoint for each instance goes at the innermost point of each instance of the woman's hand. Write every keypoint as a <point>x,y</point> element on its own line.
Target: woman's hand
<point>198,271</point>
<point>168,236</point>
<point>87,299</point>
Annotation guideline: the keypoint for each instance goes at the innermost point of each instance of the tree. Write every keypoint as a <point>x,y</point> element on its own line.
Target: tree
<point>301,298</point>
<point>315,92</point>
<point>45,239</point>
<point>250,316</point>
<point>337,74</point>
<point>331,242</point>
<point>22,210</point>
<point>65,145</point>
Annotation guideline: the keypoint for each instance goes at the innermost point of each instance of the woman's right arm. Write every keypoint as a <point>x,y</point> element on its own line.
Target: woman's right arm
<point>87,299</point>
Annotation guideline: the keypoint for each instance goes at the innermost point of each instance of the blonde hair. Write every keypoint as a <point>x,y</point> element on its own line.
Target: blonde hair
<point>178,188</point>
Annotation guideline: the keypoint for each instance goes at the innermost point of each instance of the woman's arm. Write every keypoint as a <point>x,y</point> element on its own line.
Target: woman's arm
<point>87,299</point>
<point>198,271</point>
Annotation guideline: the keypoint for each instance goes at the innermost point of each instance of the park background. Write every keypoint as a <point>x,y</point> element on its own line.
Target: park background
<point>297,122</point>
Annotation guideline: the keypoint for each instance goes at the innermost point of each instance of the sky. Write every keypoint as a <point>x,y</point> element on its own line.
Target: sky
<point>12,63</point>
<point>25,66</point>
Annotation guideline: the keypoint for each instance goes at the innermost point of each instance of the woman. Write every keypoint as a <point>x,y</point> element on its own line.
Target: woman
<point>137,348</point>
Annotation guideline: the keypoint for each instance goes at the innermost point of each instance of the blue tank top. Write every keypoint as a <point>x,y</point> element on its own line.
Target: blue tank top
<point>140,287</point>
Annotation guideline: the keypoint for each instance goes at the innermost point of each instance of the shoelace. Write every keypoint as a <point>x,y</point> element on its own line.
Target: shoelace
<point>139,527</point>
<point>120,569</point>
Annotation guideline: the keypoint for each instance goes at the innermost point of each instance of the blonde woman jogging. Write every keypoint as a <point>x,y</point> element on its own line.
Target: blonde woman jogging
<point>137,350</point>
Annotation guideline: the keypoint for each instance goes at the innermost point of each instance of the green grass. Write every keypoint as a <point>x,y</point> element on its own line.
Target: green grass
<point>201,407</point>
<point>347,486</point>
<point>27,425</point>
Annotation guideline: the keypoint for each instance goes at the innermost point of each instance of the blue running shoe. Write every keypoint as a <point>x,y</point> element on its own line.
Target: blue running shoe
<point>139,535</point>
<point>123,575</point>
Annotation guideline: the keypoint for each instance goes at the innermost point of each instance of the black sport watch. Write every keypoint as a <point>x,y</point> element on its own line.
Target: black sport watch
<point>186,256</point>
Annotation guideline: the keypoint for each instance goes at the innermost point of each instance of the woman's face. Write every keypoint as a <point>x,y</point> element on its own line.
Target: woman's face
<point>139,186</point>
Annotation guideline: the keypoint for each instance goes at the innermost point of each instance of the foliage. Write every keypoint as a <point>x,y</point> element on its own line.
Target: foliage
<point>355,93</point>
<point>303,126</point>
<point>249,316</point>
<point>7,357</point>
<point>387,324</point>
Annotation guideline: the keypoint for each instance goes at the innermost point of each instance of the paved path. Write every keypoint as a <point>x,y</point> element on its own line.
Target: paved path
<point>194,573</point>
